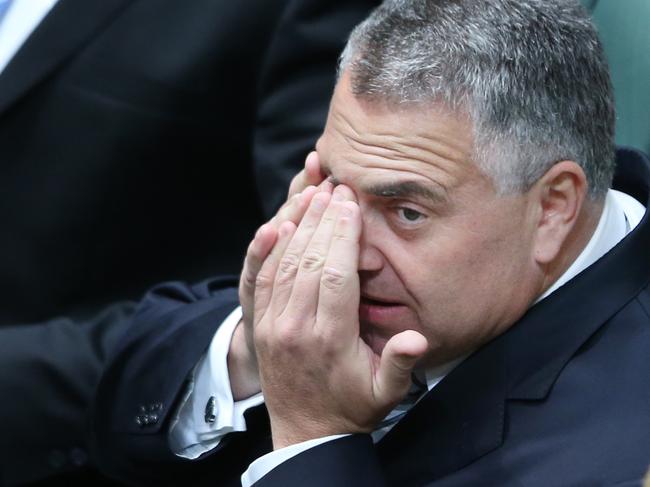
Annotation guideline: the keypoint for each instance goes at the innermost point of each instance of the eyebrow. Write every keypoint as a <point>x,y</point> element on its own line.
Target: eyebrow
<point>402,189</point>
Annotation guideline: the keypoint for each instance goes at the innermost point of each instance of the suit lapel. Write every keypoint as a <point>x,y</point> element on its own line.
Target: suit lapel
<point>67,28</point>
<point>554,331</point>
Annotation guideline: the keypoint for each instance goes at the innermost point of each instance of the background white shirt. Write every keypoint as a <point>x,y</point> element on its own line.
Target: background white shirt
<point>19,22</point>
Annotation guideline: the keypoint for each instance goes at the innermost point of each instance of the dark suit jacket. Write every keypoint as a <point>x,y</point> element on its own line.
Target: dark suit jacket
<point>140,141</point>
<point>561,398</point>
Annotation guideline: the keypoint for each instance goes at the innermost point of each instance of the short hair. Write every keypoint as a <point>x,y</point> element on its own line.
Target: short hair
<point>531,75</point>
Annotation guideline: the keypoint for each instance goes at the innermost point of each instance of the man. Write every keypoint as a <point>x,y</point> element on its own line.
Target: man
<point>120,120</point>
<point>466,236</point>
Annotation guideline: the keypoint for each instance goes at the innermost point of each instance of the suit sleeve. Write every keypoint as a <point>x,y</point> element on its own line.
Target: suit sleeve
<point>49,374</point>
<point>146,377</point>
<point>295,89</point>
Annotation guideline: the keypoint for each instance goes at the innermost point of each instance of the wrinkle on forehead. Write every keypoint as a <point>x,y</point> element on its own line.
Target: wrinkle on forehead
<point>379,139</point>
<point>427,139</point>
<point>396,145</point>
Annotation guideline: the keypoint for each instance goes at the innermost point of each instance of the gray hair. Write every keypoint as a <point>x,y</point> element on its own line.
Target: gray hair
<point>531,74</point>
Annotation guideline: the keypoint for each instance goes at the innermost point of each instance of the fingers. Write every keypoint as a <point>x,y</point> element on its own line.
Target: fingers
<point>313,173</point>
<point>302,277</point>
<point>264,283</point>
<point>398,358</point>
<point>295,207</point>
<point>309,248</point>
<point>310,175</point>
<point>264,239</point>
<point>258,250</point>
<point>295,253</point>
<point>292,211</point>
<point>339,283</point>
<point>284,261</point>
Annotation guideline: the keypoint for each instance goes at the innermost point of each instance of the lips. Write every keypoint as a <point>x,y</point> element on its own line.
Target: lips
<point>381,311</point>
<point>377,300</point>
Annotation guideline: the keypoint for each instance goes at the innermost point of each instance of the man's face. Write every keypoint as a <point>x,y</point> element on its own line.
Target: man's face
<point>441,252</point>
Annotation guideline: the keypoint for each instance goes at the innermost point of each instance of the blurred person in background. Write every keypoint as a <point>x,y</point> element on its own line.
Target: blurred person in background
<point>140,140</point>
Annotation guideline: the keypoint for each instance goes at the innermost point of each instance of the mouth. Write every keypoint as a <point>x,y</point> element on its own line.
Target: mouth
<point>381,317</point>
<point>381,311</point>
<point>376,301</point>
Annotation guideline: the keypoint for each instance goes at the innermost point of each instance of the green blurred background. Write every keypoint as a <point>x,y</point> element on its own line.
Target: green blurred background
<point>624,27</point>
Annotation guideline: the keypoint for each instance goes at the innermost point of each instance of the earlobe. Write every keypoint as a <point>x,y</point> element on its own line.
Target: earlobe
<point>560,195</point>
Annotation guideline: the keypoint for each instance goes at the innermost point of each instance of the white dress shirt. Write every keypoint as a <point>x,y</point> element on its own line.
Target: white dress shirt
<point>190,435</point>
<point>19,22</point>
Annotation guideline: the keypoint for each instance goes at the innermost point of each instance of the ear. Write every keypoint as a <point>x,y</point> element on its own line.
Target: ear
<point>559,197</point>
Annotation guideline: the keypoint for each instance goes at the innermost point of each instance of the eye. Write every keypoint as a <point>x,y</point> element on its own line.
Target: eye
<point>410,215</point>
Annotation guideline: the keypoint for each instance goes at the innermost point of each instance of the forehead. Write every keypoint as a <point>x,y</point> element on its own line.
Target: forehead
<point>370,143</point>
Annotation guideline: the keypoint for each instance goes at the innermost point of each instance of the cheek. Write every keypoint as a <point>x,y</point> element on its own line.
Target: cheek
<point>453,269</point>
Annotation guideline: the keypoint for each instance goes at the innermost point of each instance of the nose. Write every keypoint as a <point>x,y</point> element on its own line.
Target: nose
<point>370,258</point>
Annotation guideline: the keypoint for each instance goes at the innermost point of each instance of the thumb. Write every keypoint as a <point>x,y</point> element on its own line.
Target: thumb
<point>396,364</point>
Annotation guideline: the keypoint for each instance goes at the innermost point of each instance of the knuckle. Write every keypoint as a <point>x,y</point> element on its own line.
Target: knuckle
<point>248,279</point>
<point>312,260</point>
<point>309,224</point>
<point>326,344</point>
<point>289,264</point>
<point>343,237</point>
<point>288,335</point>
<point>333,279</point>
<point>251,260</point>
<point>328,219</point>
<point>263,280</point>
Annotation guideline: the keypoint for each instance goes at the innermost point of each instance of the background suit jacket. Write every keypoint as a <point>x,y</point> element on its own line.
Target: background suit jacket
<point>140,140</point>
<point>561,398</point>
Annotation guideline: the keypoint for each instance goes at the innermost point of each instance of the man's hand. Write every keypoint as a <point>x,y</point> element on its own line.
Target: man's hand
<point>301,190</point>
<point>318,376</point>
<point>242,362</point>
<point>311,175</point>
